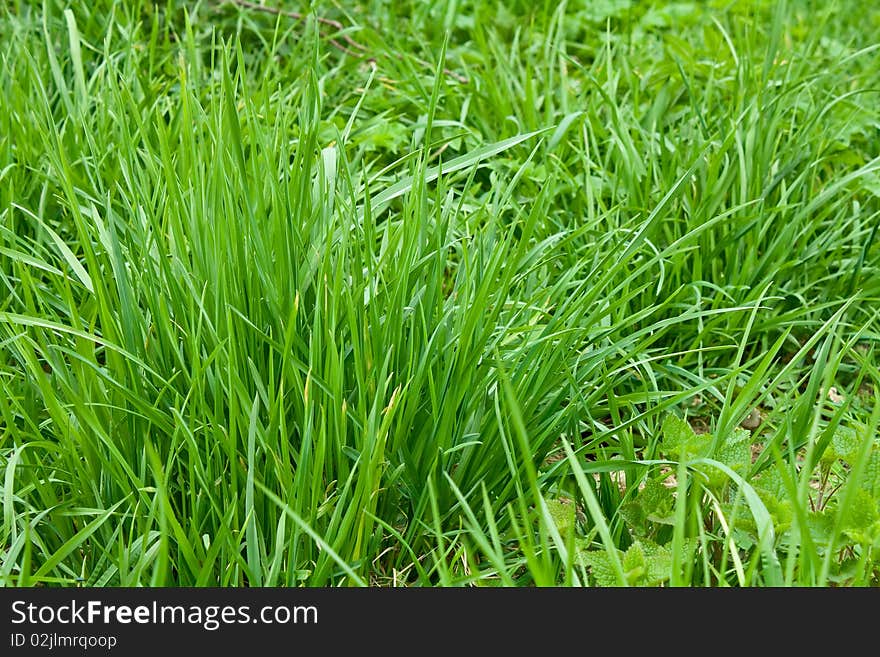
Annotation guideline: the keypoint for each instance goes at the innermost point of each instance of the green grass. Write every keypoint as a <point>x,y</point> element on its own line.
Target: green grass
<point>466,293</point>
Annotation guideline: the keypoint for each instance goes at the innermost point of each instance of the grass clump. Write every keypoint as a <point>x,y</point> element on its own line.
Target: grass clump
<point>568,296</point>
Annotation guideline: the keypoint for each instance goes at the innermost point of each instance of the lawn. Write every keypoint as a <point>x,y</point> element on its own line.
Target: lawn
<point>460,293</point>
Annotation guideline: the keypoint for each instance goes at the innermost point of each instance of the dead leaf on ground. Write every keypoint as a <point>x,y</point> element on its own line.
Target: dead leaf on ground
<point>752,421</point>
<point>834,396</point>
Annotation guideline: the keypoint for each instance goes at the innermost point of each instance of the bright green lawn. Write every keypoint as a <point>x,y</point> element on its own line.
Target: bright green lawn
<point>279,311</point>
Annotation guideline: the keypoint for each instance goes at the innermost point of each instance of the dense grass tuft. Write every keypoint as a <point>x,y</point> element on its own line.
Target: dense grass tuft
<point>463,292</point>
